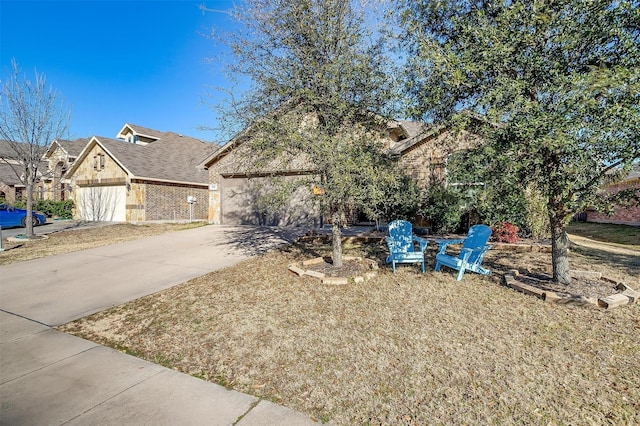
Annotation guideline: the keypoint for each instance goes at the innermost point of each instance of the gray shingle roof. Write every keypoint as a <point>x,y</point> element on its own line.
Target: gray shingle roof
<point>8,175</point>
<point>417,136</point>
<point>7,151</point>
<point>75,147</point>
<point>412,128</point>
<point>172,157</point>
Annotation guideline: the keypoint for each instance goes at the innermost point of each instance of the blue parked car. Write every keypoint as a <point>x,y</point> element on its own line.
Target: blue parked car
<point>11,216</point>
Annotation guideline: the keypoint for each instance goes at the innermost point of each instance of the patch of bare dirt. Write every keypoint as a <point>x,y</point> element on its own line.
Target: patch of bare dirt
<point>582,286</point>
<point>350,268</point>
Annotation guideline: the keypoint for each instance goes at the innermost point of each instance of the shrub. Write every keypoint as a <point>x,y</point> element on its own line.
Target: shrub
<point>505,232</point>
<point>62,209</point>
<point>537,217</point>
<point>442,206</point>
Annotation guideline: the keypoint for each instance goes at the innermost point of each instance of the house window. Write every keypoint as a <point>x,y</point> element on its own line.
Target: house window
<point>98,162</point>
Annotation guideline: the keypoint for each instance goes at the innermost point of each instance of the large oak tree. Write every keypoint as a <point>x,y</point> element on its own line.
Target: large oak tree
<point>559,79</point>
<point>317,89</point>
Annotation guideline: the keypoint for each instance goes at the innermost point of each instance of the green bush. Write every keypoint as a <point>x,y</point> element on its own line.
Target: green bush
<point>442,206</point>
<point>62,209</point>
<point>502,198</point>
<point>395,198</point>
<point>20,203</point>
<point>537,216</point>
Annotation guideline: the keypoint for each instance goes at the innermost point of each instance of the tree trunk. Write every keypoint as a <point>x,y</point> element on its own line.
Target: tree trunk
<point>336,225</point>
<point>560,252</point>
<point>28,218</point>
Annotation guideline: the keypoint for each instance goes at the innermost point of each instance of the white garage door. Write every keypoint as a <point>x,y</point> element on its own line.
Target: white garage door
<point>102,203</point>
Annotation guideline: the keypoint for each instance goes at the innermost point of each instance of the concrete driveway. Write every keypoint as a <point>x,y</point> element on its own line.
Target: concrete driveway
<point>53,226</point>
<point>58,289</point>
<point>48,377</point>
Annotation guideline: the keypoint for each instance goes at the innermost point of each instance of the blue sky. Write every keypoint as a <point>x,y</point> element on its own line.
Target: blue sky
<point>115,62</point>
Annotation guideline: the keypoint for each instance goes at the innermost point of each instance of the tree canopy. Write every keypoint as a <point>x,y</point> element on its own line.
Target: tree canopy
<point>560,81</point>
<point>321,61</point>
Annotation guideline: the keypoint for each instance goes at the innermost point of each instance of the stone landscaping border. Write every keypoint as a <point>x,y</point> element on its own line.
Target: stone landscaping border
<point>626,295</point>
<point>298,269</point>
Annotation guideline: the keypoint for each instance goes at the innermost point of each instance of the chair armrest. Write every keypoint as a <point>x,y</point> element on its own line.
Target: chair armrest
<point>422,241</point>
<point>442,244</point>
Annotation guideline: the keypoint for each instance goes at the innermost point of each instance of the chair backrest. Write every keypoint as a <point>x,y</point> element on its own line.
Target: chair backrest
<point>477,237</point>
<point>400,233</point>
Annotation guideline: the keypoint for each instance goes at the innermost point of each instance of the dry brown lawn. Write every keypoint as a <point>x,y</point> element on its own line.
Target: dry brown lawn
<point>84,238</point>
<point>403,348</point>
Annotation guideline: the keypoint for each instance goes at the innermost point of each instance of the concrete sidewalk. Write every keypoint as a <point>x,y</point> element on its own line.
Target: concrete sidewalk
<point>48,377</point>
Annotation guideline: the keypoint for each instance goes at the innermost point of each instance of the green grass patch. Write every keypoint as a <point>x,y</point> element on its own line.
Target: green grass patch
<point>606,232</point>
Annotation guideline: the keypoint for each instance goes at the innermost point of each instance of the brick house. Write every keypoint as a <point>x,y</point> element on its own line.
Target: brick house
<point>10,185</point>
<point>621,215</point>
<point>11,168</point>
<point>142,175</point>
<point>59,158</point>
<point>422,150</point>
<point>235,192</point>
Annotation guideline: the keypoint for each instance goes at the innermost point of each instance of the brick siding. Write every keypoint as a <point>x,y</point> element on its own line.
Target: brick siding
<point>625,216</point>
<point>169,202</point>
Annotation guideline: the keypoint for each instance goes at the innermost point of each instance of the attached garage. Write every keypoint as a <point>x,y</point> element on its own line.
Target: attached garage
<point>101,203</point>
<point>261,201</point>
<point>133,180</point>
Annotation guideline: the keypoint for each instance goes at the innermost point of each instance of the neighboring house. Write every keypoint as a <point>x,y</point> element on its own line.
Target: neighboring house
<point>11,170</point>
<point>143,175</point>
<point>60,157</point>
<point>11,188</point>
<point>621,215</point>
<point>237,194</point>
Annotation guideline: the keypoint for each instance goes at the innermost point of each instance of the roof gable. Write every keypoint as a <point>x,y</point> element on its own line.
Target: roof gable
<point>170,158</point>
<point>71,148</point>
<point>135,134</point>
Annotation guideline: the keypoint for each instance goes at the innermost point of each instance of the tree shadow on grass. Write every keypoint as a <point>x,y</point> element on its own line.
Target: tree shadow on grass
<point>627,263</point>
<point>257,240</point>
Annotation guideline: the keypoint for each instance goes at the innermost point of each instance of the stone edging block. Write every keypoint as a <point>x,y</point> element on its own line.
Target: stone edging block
<point>296,269</point>
<point>626,297</point>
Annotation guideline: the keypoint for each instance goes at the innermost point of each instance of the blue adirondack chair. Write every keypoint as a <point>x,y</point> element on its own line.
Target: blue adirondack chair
<point>473,250</point>
<point>401,245</point>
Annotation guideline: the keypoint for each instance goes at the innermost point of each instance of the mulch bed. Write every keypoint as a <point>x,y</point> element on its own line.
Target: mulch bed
<point>350,268</point>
